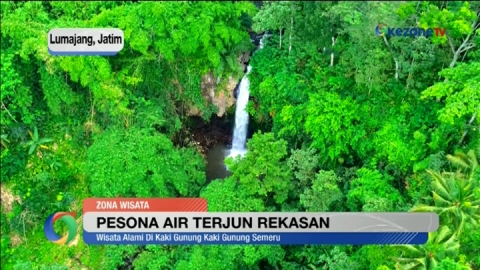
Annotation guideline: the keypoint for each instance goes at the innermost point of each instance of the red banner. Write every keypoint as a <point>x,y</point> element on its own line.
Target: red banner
<point>145,205</point>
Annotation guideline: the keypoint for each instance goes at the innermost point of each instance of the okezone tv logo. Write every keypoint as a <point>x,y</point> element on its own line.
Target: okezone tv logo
<point>379,30</point>
<point>68,219</point>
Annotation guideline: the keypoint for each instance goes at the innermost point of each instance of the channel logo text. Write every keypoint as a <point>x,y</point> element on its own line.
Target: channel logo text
<point>383,30</point>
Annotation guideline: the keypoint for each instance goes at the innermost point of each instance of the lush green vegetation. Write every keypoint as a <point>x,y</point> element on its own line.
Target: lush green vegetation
<point>350,122</point>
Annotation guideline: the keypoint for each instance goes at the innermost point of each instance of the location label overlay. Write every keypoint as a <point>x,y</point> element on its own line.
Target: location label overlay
<point>85,41</point>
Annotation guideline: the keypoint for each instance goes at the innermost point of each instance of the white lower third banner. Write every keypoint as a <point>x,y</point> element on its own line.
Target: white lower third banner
<point>175,228</point>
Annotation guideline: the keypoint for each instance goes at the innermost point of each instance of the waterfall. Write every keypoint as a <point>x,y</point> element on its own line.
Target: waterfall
<point>241,115</point>
<point>241,118</point>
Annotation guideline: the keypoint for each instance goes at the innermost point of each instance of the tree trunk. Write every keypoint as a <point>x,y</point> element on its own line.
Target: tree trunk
<point>280,38</point>
<point>466,44</point>
<point>468,125</point>
<point>3,107</point>
<point>397,65</point>
<point>290,36</point>
<point>396,68</point>
<point>332,56</point>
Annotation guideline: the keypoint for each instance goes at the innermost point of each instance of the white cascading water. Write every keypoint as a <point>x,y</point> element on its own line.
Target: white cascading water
<point>241,116</point>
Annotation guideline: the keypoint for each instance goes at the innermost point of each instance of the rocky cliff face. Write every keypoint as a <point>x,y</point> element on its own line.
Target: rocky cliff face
<point>221,98</point>
<point>224,97</point>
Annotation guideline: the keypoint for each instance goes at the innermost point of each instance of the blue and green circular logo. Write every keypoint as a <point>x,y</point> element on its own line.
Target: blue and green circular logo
<point>68,219</point>
<point>380,29</point>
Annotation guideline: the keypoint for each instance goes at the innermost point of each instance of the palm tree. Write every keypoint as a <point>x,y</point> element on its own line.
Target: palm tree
<point>454,193</point>
<point>36,141</point>
<point>467,162</point>
<point>441,244</point>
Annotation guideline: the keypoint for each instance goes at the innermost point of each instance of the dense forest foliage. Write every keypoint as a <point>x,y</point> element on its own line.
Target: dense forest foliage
<point>348,121</point>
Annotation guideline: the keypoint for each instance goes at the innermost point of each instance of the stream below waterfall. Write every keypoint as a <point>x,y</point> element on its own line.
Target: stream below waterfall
<point>216,163</point>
